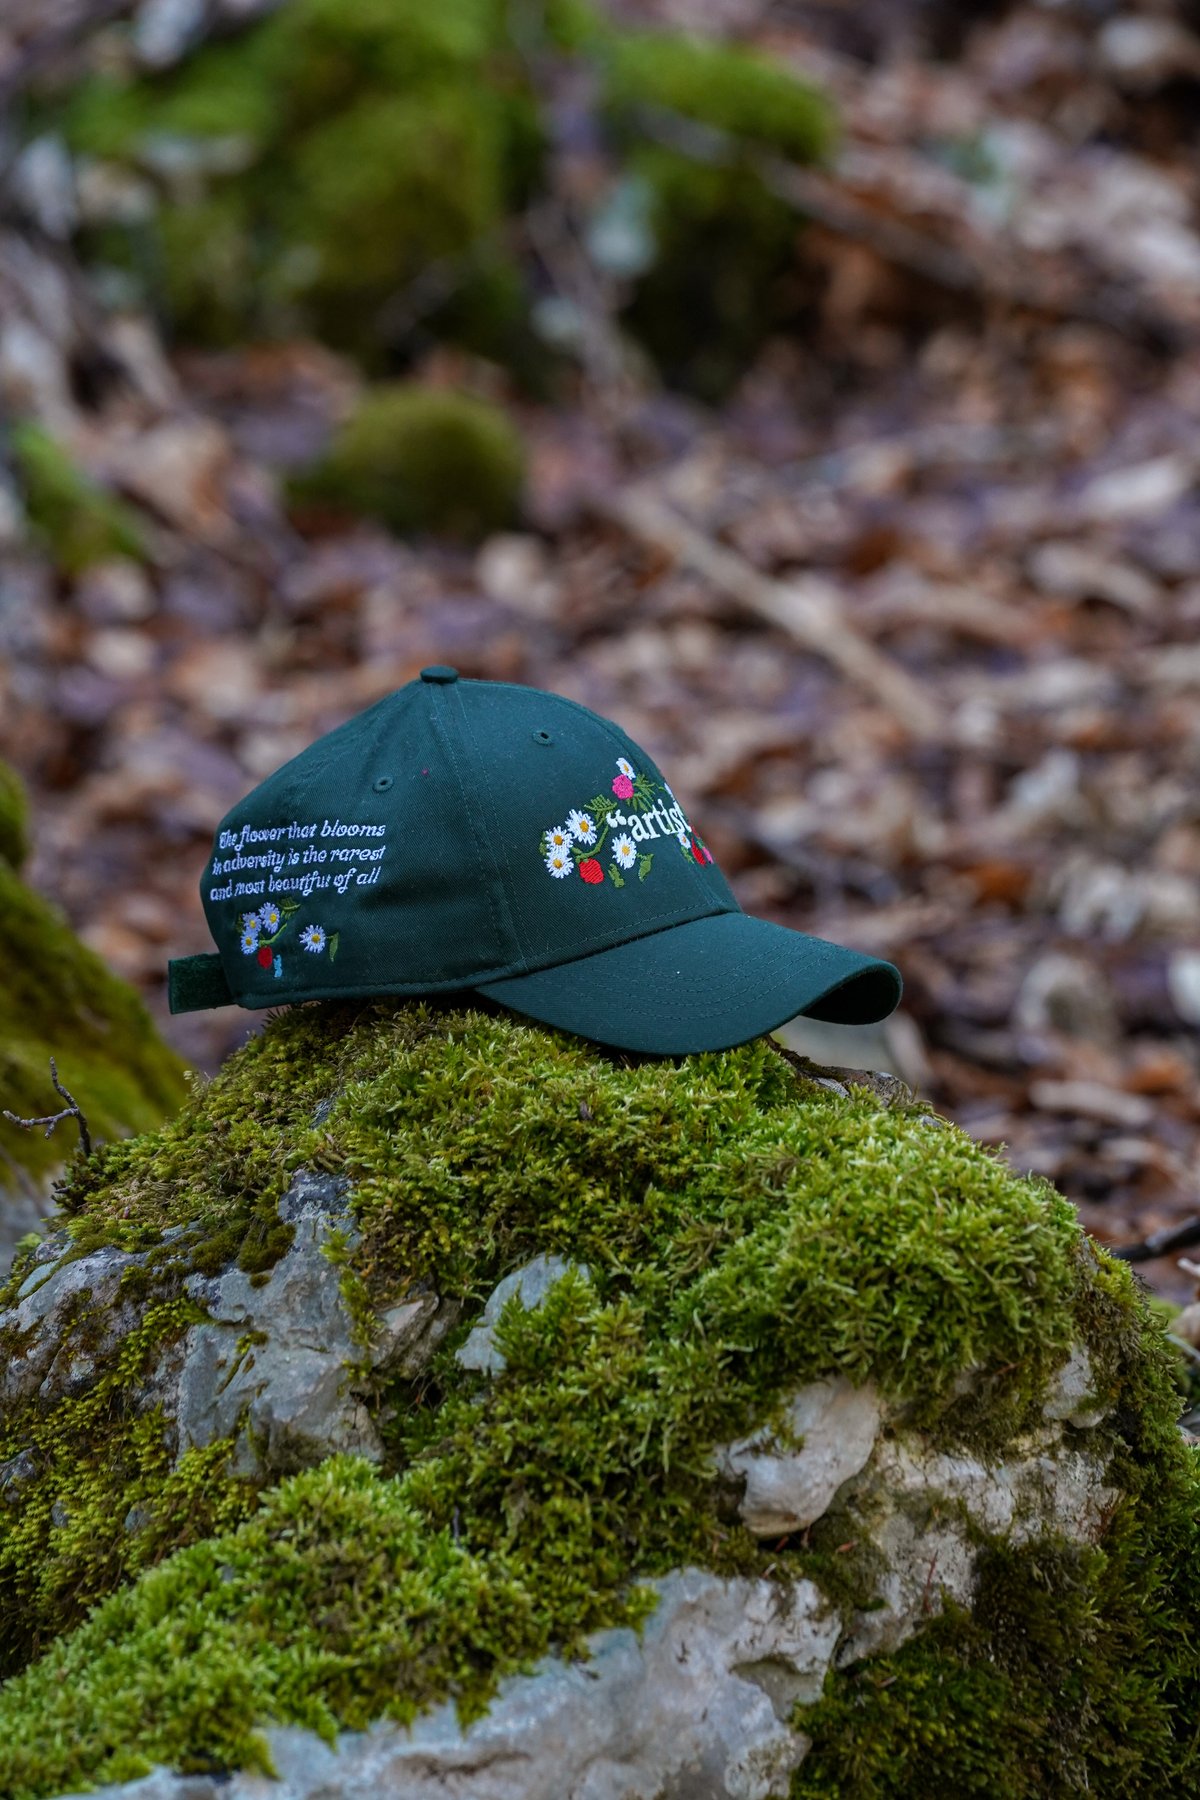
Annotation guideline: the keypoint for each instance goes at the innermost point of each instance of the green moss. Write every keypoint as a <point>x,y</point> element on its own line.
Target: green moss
<point>14,818</point>
<point>77,521</point>
<point>58,999</point>
<point>735,89</point>
<point>102,1499</point>
<point>423,459</point>
<point>745,1231</point>
<point>336,151</point>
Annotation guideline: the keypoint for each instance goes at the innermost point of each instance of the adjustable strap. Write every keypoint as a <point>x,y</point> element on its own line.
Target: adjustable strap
<point>195,983</point>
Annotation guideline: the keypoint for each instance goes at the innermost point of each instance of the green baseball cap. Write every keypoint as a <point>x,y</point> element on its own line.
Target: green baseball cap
<point>476,835</point>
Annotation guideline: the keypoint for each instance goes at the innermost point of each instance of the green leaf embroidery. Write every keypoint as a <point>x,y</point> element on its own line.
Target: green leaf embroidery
<point>615,875</point>
<point>333,944</point>
<point>290,906</point>
<point>644,866</point>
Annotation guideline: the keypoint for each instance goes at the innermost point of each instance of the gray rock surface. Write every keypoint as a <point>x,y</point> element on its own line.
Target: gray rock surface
<point>273,1362</point>
<point>530,1285</point>
<point>829,1431</point>
<point>696,1709</point>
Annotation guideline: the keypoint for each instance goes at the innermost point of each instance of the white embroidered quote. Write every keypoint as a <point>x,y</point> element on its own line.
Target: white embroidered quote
<point>301,858</point>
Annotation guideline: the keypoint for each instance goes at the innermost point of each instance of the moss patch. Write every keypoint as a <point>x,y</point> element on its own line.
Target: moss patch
<point>58,999</point>
<point>423,459</point>
<point>76,520</point>
<point>14,818</point>
<point>745,1231</point>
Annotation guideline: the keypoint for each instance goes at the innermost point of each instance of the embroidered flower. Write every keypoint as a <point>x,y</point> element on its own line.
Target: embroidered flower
<point>558,838</point>
<point>313,938</point>
<point>624,852</point>
<point>706,853</point>
<point>626,768</point>
<point>622,787</point>
<point>268,918</point>
<point>250,936</point>
<point>590,871</point>
<point>559,863</point>
<point>582,826</point>
<point>265,958</point>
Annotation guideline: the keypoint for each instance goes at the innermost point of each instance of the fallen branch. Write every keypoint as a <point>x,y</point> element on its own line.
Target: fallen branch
<point>807,609</point>
<point>1159,1243</point>
<point>71,1110</point>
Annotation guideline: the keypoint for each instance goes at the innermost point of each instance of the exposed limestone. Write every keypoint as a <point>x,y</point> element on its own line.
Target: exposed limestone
<point>788,1488</point>
<point>272,1362</point>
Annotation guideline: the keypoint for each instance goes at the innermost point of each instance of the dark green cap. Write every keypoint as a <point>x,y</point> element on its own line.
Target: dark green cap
<point>472,834</point>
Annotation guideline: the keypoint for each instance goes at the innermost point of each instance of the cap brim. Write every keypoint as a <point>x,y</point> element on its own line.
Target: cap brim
<point>704,985</point>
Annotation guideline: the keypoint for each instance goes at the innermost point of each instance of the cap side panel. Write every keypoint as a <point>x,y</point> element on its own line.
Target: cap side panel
<point>505,891</point>
<point>503,933</point>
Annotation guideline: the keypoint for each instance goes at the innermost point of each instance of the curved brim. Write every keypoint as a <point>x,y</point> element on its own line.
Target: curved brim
<point>704,985</point>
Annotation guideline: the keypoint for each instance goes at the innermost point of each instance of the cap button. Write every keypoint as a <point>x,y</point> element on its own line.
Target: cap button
<point>439,673</point>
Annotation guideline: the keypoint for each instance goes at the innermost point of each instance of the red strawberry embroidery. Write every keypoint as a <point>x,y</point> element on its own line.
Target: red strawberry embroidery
<point>264,957</point>
<point>697,852</point>
<point>622,787</point>
<point>590,871</point>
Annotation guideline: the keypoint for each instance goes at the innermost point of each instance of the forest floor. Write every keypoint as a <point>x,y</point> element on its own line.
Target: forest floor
<point>909,621</point>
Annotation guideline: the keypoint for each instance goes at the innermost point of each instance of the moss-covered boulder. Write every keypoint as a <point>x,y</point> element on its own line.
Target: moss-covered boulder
<point>422,459</point>
<point>848,1461</point>
<point>361,171</point>
<point>58,999</point>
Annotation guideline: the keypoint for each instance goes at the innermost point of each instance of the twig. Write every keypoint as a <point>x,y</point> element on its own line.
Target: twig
<point>1159,1243</point>
<point>807,609</point>
<point>71,1110</point>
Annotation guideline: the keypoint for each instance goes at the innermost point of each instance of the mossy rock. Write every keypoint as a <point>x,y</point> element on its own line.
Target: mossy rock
<point>361,171</point>
<point>732,1239</point>
<point>422,459</point>
<point>14,818</point>
<point>58,999</point>
<point>77,522</point>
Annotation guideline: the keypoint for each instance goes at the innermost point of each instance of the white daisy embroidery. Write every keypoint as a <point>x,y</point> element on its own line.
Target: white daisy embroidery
<point>250,936</point>
<point>558,837</point>
<point>624,852</point>
<point>268,918</point>
<point>559,863</point>
<point>313,938</point>
<point>626,768</point>
<point>582,826</point>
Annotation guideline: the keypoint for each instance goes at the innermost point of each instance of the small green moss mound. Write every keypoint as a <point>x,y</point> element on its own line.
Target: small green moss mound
<point>423,459</point>
<point>14,818</point>
<point>78,523</point>
<point>58,999</point>
<point>745,1231</point>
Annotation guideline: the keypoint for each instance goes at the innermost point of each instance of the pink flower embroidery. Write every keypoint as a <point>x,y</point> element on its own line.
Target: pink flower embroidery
<point>622,787</point>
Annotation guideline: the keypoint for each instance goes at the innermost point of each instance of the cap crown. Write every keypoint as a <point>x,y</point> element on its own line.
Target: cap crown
<point>455,833</point>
